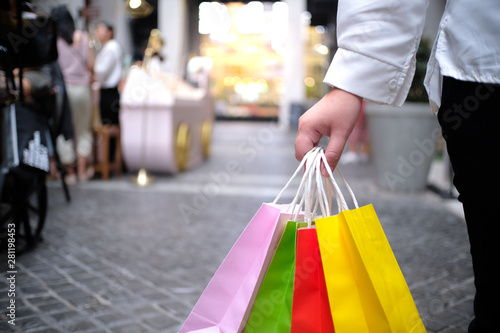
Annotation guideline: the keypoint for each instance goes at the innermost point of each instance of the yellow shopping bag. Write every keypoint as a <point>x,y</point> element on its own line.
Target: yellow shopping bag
<point>366,288</point>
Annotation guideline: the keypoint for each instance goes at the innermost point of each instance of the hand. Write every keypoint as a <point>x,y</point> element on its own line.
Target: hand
<point>335,116</point>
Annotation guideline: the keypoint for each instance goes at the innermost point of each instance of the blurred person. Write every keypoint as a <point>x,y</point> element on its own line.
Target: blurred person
<point>108,72</point>
<point>358,142</point>
<point>375,61</point>
<point>62,128</point>
<point>42,85</point>
<point>76,60</point>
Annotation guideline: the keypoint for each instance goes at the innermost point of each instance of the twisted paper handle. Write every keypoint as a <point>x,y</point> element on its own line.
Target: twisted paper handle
<point>315,190</point>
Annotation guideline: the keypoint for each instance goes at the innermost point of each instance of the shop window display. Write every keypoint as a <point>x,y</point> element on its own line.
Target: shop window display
<point>247,46</point>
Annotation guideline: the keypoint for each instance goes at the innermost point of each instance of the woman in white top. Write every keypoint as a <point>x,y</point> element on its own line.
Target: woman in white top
<point>375,61</point>
<point>108,71</point>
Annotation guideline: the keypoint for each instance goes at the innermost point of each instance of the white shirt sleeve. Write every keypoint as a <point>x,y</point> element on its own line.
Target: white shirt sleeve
<point>377,40</point>
<point>466,46</point>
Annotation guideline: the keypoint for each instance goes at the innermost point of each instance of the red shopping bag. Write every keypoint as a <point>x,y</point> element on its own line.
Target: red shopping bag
<point>311,308</point>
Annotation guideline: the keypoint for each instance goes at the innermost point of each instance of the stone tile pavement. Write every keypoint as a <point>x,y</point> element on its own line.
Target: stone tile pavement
<point>120,258</point>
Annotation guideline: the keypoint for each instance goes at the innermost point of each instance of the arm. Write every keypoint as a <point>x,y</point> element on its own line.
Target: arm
<point>375,61</point>
<point>90,53</point>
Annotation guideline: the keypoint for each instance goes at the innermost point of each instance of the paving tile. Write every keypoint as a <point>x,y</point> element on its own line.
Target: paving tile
<point>50,308</point>
<point>134,328</point>
<point>65,316</point>
<point>159,322</point>
<point>30,323</point>
<point>33,289</point>
<point>82,325</point>
<point>43,329</point>
<point>40,300</point>
<point>113,319</point>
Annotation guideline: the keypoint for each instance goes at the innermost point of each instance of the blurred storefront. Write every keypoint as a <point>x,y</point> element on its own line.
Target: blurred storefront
<point>248,46</point>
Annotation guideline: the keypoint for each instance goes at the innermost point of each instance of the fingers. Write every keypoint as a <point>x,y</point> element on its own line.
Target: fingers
<point>305,141</point>
<point>335,116</point>
<point>333,152</point>
<point>313,125</point>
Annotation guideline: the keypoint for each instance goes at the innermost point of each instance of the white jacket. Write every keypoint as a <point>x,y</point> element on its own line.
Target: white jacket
<point>378,40</point>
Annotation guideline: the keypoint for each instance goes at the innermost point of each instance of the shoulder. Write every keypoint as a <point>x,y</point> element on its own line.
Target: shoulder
<point>114,46</point>
<point>61,43</point>
<point>80,37</point>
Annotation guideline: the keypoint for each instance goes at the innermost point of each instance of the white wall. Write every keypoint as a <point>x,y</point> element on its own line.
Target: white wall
<point>294,65</point>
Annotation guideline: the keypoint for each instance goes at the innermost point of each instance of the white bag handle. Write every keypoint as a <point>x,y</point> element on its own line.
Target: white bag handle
<point>299,168</point>
<point>305,191</point>
<point>337,189</point>
<point>315,190</point>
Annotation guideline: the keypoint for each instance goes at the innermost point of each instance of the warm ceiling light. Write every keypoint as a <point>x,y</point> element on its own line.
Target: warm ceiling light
<point>138,8</point>
<point>134,4</point>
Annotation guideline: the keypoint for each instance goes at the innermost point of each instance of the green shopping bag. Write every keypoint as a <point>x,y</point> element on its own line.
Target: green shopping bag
<point>272,310</point>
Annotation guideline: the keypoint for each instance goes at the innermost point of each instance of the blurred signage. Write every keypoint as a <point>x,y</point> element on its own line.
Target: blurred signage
<point>89,12</point>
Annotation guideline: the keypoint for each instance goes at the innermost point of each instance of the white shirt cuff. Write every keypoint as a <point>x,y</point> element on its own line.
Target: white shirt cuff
<point>370,78</point>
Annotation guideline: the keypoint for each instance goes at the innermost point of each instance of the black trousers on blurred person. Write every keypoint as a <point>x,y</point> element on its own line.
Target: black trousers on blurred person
<point>109,104</point>
<point>470,119</point>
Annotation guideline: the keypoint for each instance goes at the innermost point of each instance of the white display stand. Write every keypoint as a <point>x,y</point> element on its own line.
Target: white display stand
<point>165,123</point>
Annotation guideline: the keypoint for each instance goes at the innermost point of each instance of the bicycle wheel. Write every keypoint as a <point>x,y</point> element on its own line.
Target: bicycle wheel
<point>25,208</point>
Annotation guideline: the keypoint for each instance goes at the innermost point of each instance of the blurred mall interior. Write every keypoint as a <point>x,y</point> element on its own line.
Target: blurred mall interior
<point>259,60</point>
<point>261,57</point>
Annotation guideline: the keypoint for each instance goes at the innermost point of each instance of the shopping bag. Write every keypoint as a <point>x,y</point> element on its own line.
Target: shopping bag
<point>272,310</point>
<point>311,307</point>
<point>225,304</point>
<point>366,288</point>
<point>24,138</point>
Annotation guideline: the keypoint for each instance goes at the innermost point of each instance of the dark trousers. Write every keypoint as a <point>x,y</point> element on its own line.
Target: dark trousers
<point>109,104</point>
<point>470,118</point>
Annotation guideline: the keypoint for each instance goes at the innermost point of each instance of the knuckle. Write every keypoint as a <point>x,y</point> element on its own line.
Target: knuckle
<point>332,156</point>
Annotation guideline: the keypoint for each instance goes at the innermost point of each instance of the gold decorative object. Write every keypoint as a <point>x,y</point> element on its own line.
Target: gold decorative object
<point>155,44</point>
<point>182,146</point>
<point>206,135</point>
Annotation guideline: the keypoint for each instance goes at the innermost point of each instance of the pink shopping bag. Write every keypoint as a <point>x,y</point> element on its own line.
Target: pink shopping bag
<point>226,302</point>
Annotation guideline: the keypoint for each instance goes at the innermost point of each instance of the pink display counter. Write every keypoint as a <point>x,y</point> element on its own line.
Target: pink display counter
<point>165,123</point>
